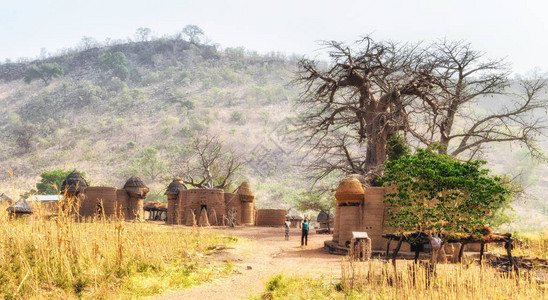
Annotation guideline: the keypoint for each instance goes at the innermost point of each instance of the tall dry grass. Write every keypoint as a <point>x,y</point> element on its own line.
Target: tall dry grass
<point>447,281</point>
<point>379,280</point>
<point>55,257</point>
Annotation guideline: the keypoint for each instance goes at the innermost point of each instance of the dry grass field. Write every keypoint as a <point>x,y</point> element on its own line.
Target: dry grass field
<point>55,257</point>
<point>380,280</point>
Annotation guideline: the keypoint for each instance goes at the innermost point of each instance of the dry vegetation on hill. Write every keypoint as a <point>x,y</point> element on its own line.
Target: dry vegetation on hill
<point>92,120</point>
<point>114,103</point>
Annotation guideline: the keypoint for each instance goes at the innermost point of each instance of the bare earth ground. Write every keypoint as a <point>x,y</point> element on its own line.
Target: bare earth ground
<point>265,250</point>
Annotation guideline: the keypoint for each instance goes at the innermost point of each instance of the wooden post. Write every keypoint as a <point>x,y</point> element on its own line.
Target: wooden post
<point>417,254</point>
<point>461,251</point>
<point>388,248</point>
<point>482,248</point>
<point>395,253</point>
<point>508,246</point>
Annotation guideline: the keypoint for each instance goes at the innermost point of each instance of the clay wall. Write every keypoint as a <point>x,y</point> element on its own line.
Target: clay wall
<point>248,213</point>
<point>271,217</point>
<point>94,197</point>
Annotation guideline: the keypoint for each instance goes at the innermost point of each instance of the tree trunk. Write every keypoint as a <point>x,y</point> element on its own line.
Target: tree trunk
<point>377,133</point>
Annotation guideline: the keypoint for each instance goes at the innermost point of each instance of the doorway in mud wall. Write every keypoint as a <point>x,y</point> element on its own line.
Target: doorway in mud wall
<point>203,206</point>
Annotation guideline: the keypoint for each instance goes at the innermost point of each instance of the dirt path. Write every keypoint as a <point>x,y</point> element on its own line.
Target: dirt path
<point>267,253</point>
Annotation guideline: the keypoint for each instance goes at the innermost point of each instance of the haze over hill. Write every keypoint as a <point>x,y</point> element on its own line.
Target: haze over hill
<point>100,118</point>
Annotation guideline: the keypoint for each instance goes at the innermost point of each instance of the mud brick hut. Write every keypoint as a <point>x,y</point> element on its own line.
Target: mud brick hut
<point>360,210</point>
<point>295,220</point>
<point>102,201</point>
<point>174,205</point>
<point>5,200</point>
<point>73,184</point>
<point>325,220</point>
<point>205,207</point>
<point>20,208</point>
<point>137,192</point>
<point>271,217</point>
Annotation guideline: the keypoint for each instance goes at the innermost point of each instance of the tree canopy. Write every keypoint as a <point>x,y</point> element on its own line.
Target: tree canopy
<point>369,91</point>
<point>435,193</point>
<point>148,164</point>
<point>316,200</point>
<point>208,163</point>
<point>116,63</point>
<point>44,72</point>
<point>194,33</point>
<point>50,183</point>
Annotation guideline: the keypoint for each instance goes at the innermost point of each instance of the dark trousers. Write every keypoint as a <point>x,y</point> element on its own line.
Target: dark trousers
<point>304,238</point>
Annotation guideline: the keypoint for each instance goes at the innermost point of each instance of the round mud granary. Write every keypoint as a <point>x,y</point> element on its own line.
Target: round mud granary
<point>350,190</point>
<point>174,205</point>
<point>137,192</point>
<point>73,184</point>
<point>248,204</point>
<point>350,194</point>
<point>271,217</point>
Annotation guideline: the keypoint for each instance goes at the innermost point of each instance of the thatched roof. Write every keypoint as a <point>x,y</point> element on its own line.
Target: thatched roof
<point>175,187</point>
<point>20,207</point>
<point>134,182</point>
<point>294,217</point>
<point>135,185</point>
<point>5,198</point>
<point>245,189</point>
<point>155,206</point>
<point>74,183</point>
<point>322,216</point>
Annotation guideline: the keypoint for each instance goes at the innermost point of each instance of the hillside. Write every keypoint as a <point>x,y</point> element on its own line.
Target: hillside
<point>89,119</point>
<point>102,113</point>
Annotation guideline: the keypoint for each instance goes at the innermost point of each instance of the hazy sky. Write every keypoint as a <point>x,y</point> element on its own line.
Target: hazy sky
<point>517,30</point>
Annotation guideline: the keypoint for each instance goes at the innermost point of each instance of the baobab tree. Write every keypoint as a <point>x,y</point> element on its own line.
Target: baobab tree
<point>350,108</point>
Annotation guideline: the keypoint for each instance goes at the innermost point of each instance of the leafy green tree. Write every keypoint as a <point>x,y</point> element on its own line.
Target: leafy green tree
<point>116,63</point>
<point>436,193</point>
<point>316,200</point>
<point>50,183</point>
<point>45,72</point>
<point>148,164</point>
<point>397,147</point>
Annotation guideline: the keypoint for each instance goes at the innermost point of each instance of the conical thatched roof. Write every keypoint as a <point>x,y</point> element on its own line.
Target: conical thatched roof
<point>322,216</point>
<point>20,207</point>
<point>5,199</point>
<point>135,185</point>
<point>74,183</point>
<point>175,187</point>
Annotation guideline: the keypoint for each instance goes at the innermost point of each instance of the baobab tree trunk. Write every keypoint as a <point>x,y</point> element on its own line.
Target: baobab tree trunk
<point>376,149</point>
<point>377,131</point>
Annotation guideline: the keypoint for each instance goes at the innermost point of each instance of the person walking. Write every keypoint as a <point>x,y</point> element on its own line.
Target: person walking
<point>287,225</point>
<point>304,236</point>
